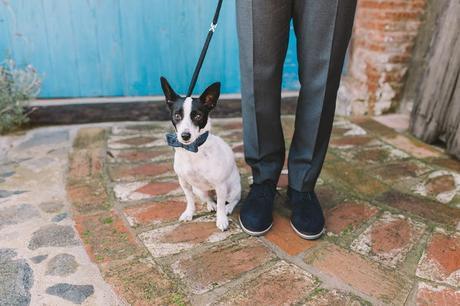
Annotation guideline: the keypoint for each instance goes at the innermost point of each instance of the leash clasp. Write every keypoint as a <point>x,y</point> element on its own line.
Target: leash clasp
<point>213,27</point>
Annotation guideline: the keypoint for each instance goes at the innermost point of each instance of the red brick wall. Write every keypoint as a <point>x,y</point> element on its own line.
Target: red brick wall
<point>380,52</point>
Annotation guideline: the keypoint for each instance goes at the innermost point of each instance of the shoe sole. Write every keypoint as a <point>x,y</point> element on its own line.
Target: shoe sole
<point>252,233</point>
<point>308,237</point>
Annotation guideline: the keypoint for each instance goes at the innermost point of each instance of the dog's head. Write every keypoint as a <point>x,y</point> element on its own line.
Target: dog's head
<point>190,115</point>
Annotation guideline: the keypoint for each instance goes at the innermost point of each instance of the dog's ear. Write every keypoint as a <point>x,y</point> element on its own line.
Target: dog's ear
<point>211,95</point>
<point>170,94</point>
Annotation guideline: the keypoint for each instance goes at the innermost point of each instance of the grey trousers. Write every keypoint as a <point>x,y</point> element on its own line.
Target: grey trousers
<point>323,29</point>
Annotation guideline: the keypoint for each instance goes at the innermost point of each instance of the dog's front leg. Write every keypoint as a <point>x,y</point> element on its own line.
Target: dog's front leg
<point>187,215</point>
<point>222,219</point>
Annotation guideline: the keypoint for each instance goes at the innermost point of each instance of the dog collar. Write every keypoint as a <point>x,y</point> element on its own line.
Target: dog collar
<point>172,140</point>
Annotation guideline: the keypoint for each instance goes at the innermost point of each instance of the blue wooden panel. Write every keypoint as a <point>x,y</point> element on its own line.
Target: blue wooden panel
<point>290,77</point>
<point>5,31</point>
<point>30,21</point>
<point>62,80</point>
<point>109,44</point>
<point>85,39</point>
<point>119,47</point>
<point>133,43</point>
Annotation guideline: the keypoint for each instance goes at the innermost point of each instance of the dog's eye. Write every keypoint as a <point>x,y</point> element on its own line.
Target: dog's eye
<point>177,116</point>
<point>198,117</point>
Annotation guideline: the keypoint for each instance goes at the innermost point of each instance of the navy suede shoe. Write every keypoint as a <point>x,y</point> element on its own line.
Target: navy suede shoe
<point>256,213</point>
<point>307,217</point>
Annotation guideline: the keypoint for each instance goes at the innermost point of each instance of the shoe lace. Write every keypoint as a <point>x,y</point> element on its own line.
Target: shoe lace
<point>259,190</point>
<point>298,198</point>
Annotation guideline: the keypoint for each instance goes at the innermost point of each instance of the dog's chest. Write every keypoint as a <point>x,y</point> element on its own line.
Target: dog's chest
<point>198,169</point>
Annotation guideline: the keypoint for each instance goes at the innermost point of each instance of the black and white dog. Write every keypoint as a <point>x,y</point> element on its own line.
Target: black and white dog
<point>202,161</point>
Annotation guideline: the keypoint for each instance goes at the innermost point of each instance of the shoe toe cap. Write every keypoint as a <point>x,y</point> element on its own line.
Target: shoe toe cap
<point>309,226</point>
<point>255,222</point>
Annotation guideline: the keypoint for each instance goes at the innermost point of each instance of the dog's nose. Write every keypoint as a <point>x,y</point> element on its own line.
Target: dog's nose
<point>186,135</point>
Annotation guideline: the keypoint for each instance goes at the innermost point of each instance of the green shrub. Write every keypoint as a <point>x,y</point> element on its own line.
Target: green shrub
<point>17,86</point>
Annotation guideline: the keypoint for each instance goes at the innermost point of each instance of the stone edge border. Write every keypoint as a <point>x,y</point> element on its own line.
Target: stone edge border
<point>74,111</point>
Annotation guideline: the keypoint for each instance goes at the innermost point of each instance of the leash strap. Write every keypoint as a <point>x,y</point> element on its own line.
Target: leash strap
<point>211,31</point>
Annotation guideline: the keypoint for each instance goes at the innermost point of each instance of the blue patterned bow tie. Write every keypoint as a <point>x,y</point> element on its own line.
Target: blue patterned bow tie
<point>171,138</point>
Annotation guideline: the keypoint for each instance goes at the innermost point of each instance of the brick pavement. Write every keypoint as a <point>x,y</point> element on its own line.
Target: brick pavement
<point>393,214</point>
<point>392,206</point>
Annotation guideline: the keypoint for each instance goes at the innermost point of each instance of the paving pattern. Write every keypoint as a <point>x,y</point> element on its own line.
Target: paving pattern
<point>42,258</point>
<point>89,215</point>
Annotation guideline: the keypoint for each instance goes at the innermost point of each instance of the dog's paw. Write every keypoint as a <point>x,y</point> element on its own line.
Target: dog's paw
<point>222,222</point>
<point>211,206</point>
<point>186,216</point>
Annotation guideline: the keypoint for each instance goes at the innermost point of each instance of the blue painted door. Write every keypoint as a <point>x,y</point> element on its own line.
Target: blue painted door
<point>88,48</point>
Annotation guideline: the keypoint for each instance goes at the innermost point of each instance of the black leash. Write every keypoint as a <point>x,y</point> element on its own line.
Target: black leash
<point>205,49</point>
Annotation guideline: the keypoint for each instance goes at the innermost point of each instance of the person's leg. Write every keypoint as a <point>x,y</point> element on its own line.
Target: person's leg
<point>323,29</point>
<point>263,33</point>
